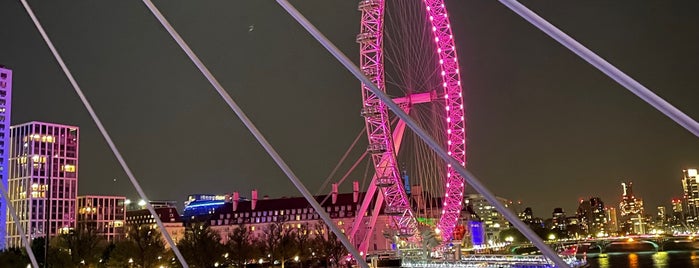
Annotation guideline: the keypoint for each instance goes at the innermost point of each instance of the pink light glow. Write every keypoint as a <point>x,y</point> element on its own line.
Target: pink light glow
<point>378,129</point>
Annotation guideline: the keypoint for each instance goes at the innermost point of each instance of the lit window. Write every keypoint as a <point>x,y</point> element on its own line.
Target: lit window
<point>68,168</point>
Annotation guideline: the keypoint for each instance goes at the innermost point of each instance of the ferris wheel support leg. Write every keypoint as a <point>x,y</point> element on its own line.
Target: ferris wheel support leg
<point>364,246</point>
<point>397,141</point>
<point>436,147</point>
<point>359,218</point>
<point>607,68</point>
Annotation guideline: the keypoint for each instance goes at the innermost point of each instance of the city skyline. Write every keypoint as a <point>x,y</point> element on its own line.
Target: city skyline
<point>569,129</point>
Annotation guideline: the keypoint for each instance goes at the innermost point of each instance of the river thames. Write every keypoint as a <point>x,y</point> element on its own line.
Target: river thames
<point>669,259</point>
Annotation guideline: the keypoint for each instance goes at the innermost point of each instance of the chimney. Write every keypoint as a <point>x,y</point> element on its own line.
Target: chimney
<point>236,198</point>
<point>355,191</point>
<point>254,199</point>
<point>334,193</point>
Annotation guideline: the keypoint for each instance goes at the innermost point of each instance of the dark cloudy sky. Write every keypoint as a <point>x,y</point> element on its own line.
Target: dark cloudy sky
<point>544,126</point>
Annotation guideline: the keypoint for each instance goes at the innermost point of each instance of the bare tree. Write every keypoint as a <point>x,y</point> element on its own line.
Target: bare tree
<point>240,245</point>
<point>85,246</point>
<point>202,246</point>
<point>279,242</point>
<point>143,248</point>
<point>328,244</point>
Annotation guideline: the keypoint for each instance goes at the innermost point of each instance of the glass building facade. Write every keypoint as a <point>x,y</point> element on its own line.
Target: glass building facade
<point>103,215</point>
<point>43,179</point>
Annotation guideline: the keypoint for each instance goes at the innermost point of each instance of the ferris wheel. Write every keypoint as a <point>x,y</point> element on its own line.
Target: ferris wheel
<point>407,49</point>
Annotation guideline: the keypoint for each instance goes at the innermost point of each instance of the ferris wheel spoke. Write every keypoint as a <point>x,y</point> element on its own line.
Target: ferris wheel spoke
<point>414,41</point>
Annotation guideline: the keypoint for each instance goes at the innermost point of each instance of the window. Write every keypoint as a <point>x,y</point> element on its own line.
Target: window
<point>68,168</point>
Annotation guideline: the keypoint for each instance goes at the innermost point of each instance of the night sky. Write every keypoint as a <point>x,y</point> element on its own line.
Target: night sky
<point>544,127</point>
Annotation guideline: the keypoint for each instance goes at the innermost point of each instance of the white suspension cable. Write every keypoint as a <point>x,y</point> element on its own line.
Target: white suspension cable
<point>607,68</point>
<point>106,136</point>
<point>258,135</point>
<point>470,178</point>
<point>339,163</point>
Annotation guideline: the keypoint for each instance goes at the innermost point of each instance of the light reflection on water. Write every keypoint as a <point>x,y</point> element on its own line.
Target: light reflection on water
<point>660,259</point>
<point>646,260</point>
<point>633,260</point>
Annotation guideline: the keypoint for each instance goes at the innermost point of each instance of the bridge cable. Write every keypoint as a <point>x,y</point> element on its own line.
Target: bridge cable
<point>470,178</point>
<point>106,136</point>
<point>607,68</point>
<point>258,135</point>
<point>339,163</point>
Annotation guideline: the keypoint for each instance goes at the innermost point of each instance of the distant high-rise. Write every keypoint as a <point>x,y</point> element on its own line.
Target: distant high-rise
<point>612,223</point>
<point>5,101</point>
<point>592,217</point>
<point>559,219</point>
<point>691,195</point>
<point>43,178</point>
<point>631,211</point>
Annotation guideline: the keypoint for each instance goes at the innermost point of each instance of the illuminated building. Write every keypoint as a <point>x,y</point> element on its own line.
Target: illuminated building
<point>631,211</point>
<point>690,184</point>
<point>592,216</point>
<point>168,215</point>
<point>492,220</point>
<point>661,221</point>
<point>598,220</point>
<point>43,176</point>
<point>201,204</point>
<point>105,215</point>
<point>677,205</point>
<point>677,221</point>
<point>612,223</point>
<point>296,213</point>
<point>559,219</point>
<point>5,109</point>
<point>527,215</point>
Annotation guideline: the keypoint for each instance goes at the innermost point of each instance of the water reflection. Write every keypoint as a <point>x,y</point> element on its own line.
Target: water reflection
<point>670,259</point>
<point>660,259</point>
<point>603,261</point>
<point>633,260</point>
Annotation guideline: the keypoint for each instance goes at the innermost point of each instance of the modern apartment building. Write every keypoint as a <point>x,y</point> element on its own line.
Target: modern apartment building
<point>43,179</point>
<point>104,215</point>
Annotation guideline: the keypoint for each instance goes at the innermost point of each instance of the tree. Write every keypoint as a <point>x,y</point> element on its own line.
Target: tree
<point>84,246</point>
<point>201,246</point>
<point>143,248</point>
<point>303,242</point>
<point>14,257</point>
<point>38,246</point>
<point>57,257</point>
<point>328,244</point>
<point>278,242</point>
<point>240,245</point>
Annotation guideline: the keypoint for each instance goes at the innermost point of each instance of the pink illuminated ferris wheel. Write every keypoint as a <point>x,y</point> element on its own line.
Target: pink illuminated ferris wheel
<point>407,49</point>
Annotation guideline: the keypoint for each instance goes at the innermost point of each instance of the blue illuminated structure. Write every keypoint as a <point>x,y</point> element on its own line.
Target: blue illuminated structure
<point>477,230</point>
<point>201,207</point>
<point>5,100</point>
<point>406,182</point>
